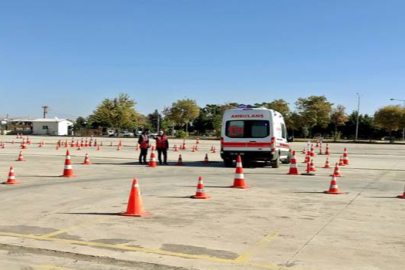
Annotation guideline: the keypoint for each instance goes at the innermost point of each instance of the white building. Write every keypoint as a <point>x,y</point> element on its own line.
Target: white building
<point>51,126</point>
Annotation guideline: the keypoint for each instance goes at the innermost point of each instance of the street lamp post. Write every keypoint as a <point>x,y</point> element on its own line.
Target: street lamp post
<point>403,106</point>
<point>158,122</point>
<point>358,115</point>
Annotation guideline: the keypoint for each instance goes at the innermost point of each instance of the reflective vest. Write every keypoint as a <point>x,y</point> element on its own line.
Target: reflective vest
<point>161,142</point>
<point>145,142</point>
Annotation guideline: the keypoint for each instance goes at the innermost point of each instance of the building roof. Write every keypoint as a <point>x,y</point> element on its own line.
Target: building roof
<point>50,120</point>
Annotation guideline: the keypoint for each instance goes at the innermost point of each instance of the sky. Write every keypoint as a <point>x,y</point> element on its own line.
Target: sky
<point>70,55</point>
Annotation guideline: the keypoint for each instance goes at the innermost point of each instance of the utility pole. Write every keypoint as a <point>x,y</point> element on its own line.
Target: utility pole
<point>45,110</point>
<point>358,116</point>
<point>158,122</point>
<point>403,106</point>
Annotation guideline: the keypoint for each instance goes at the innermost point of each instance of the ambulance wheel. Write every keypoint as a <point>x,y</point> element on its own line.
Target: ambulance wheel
<point>275,163</point>
<point>228,162</point>
<point>286,161</point>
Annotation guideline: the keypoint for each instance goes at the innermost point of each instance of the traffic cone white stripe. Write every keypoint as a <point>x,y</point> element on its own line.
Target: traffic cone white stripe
<point>68,167</point>
<point>239,176</point>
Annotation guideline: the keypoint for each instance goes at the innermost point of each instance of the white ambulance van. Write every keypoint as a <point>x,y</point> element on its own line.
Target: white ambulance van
<point>257,134</point>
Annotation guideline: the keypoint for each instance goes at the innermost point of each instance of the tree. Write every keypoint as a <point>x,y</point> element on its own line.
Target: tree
<point>116,113</point>
<point>281,106</point>
<point>389,118</point>
<point>314,111</point>
<point>154,119</point>
<point>182,112</point>
<point>338,117</point>
<point>80,123</point>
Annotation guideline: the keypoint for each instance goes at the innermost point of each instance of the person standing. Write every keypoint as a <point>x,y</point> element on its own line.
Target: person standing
<point>162,144</point>
<point>143,142</point>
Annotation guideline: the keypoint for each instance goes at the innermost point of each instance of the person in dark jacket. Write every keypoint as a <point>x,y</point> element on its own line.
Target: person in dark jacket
<point>143,142</point>
<point>162,144</point>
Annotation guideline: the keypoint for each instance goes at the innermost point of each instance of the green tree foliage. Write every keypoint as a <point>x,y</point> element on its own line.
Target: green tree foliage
<point>338,117</point>
<point>281,106</point>
<point>80,123</point>
<point>116,113</point>
<point>153,119</point>
<point>390,118</point>
<point>182,112</point>
<point>314,111</point>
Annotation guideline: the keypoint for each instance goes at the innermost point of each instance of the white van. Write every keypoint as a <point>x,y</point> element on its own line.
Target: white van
<point>257,134</point>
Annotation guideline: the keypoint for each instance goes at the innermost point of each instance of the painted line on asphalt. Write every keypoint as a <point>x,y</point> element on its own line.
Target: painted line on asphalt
<point>146,250</point>
<point>61,231</point>
<point>247,255</point>
<point>51,267</point>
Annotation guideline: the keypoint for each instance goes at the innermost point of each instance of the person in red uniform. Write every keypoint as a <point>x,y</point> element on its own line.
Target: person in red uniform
<point>143,142</point>
<point>162,144</point>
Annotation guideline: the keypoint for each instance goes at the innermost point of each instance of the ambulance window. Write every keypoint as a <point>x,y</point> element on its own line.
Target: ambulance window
<point>235,129</point>
<point>283,131</point>
<point>260,129</point>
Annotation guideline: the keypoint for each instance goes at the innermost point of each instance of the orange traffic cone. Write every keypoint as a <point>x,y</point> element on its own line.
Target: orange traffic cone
<point>152,161</point>
<point>20,157</point>
<point>3,145</point>
<point>401,196</point>
<point>312,166</point>
<point>135,205</point>
<point>214,151</point>
<point>239,181</point>
<point>200,194</point>
<point>336,172</point>
<point>312,153</point>
<point>341,161</point>
<point>184,145</point>
<point>23,146</point>
<point>320,150</point>
<point>307,158</point>
<point>304,151</point>
<point>193,149</point>
<point>86,160</point>
<point>333,189</point>
<point>11,178</point>
<point>206,161</point>
<point>327,164</point>
<point>345,157</point>
<point>308,171</point>
<point>327,150</point>
<point>68,171</point>
<point>212,148</point>
<point>180,161</point>
<point>293,165</point>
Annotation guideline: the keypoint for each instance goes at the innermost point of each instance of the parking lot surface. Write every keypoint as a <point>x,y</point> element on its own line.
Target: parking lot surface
<point>280,222</point>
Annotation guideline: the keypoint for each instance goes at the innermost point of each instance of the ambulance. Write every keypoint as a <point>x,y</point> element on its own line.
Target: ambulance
<point>257,134</point>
